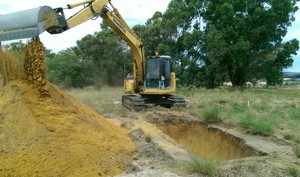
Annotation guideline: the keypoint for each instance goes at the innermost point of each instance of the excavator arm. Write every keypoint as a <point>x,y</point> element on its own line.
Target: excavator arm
<point>114,19</point>
<point>53,21</point>
<point>153,88</point>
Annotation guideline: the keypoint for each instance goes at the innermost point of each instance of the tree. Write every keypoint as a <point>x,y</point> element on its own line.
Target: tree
<point>151,34</point>
<point>67,70</point>
<point>250,34</point>
<point>275,63</point>
<point>49,54</point>
<point>181,37</point>
<point>109,54</point>
<point>16,46</point>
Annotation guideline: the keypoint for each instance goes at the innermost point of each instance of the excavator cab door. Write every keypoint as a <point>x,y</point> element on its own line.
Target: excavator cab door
<point>158,72</point>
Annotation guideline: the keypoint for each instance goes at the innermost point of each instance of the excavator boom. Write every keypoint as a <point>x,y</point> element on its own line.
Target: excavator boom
<point>152,89</point>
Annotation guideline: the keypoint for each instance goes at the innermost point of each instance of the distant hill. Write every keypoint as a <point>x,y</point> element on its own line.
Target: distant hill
<point>292,74</point>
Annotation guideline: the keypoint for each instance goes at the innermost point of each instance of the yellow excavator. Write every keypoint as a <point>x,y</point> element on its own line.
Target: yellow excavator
<point>151,83</point>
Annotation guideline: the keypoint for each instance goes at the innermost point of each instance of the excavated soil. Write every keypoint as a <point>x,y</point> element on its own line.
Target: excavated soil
<point>45,132</point>
<point>34,65</point>
<point>10,69</point>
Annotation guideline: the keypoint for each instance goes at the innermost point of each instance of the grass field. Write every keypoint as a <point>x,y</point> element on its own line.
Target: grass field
<point>263,111</point>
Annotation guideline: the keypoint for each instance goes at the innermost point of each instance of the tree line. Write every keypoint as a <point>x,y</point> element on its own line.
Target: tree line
<point>211,42</point>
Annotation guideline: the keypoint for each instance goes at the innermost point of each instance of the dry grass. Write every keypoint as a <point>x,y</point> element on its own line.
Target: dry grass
<point>262,111</point>
<point>103,100</point>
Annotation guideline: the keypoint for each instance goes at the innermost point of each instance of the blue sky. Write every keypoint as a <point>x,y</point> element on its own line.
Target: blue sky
<point>294,32</point>
<point>134,12</point>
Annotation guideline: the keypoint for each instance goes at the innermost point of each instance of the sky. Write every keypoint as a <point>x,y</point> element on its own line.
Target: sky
<point>133,11</point>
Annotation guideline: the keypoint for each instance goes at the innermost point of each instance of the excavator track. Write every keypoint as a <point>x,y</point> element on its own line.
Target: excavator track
<point>177,101</point>
<point>133,102</point>
<point>139,103</point>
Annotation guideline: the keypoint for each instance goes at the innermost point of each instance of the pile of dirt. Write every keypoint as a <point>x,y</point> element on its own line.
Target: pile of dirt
<point>10,69</point>
<point>55,135</point>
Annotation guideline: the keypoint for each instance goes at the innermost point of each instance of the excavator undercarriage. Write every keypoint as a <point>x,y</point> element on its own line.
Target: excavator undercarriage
<point>140,102</point>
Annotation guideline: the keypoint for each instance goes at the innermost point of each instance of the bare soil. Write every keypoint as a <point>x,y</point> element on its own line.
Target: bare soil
<point>163,156</point>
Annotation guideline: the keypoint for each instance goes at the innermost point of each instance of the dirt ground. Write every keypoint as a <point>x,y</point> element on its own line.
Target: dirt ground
<point>163,156</point>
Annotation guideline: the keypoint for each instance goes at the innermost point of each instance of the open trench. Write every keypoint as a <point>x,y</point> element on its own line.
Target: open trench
<point>207,142</point>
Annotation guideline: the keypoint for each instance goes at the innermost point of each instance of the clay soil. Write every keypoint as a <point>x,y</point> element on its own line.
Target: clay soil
<point>57,136</point>
<point>45,132</point>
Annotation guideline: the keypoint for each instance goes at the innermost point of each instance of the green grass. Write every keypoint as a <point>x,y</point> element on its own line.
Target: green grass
<point>293,171</point>
<point>260,107</point>
<point>211,115</point>
<point>297,151</point>
<point>148,138</point>
<point>199,165</point>
<point>288,136</point>
<point>294,114</point>
<point>238,108</point>
<point>257,126</point>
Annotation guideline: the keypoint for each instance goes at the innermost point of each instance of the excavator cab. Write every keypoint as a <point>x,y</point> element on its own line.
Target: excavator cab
<point>158,72</point>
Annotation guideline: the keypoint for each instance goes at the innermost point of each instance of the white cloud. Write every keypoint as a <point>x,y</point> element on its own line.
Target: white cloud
<point>137,11</point>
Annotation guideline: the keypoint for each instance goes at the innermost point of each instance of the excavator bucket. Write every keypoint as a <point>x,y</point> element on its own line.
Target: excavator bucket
<point>30,23</point>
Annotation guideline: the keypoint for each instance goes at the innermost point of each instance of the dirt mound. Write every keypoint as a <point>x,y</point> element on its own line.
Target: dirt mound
<point>57,136</point>
<point>9,68</point>
<point>44,132</point>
